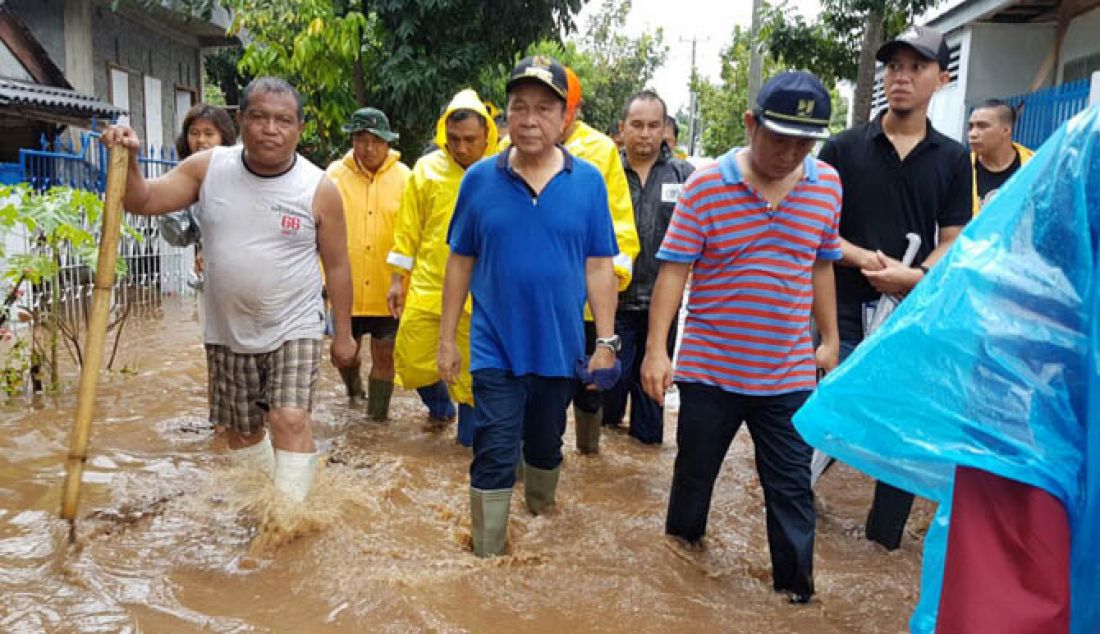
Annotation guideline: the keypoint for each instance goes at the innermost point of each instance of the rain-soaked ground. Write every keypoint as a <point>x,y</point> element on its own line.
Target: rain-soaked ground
<point>171,540</point>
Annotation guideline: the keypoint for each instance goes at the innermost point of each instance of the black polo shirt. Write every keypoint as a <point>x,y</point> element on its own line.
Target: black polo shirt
<point>886,198</point>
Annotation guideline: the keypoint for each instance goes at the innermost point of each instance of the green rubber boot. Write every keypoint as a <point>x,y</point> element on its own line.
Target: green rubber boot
<point>354,384</point>
<point>489,520</point>
<point>588,430</point>
<point>379,393</point>
<point>539,487</point>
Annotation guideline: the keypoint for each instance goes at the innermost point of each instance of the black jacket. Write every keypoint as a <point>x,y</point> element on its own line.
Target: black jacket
<point>653,206</point>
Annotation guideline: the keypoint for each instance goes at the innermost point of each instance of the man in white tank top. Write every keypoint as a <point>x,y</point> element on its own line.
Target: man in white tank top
<point>266,214</point>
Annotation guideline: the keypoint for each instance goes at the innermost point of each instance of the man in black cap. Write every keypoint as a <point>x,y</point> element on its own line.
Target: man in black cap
<point>531,239</point>
<point>757,231</point>
<point>900,176</point>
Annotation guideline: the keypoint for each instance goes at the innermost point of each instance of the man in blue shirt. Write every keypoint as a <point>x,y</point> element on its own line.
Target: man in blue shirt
<point>531,238</point>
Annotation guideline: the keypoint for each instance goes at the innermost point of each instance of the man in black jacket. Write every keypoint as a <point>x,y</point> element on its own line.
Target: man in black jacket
<point>655,180</point>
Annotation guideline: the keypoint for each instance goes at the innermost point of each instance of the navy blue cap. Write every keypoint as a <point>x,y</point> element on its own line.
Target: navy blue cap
<point>795,103</point>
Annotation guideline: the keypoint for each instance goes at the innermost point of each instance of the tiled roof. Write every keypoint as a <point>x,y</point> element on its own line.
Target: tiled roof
<point>60,101</point>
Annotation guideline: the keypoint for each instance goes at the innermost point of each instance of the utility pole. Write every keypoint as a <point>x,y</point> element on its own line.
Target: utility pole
<point>694,103</point>
<point>693,107</point>
<point>756,62</point>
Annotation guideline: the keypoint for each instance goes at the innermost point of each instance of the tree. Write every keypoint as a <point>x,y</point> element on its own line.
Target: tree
<point>407,57</point>
<point>610,65</point>
<point>841,42</point>
<point>427,50</point>
<point>722,104</point>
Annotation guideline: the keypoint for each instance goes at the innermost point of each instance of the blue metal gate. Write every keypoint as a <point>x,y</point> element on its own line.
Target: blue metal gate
<point>1042,111</point>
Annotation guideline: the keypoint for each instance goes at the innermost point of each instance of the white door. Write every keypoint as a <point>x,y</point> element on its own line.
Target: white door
<point>154,122</point>
<point>120,92</point>
<point>184,100</point>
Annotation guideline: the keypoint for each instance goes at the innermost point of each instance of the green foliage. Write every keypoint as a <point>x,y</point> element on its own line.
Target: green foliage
<point>51,221</point>
<point>617,65</point>
<point>721,105</point>
<point>427,50</point>
<point>611,66</point>
<point>15,368</point>
<point>829,45</point>
<point>224,81</point>
<point>407,57</point>
<point>317,46</point>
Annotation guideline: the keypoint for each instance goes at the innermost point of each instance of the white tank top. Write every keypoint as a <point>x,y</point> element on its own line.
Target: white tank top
<point>263,276</point>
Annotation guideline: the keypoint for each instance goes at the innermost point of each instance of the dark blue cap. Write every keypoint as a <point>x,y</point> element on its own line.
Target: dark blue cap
<point>795,103</point>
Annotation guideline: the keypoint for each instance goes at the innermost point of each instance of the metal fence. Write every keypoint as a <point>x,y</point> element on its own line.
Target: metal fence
<point>154,268</point>
<point>1042,111</point>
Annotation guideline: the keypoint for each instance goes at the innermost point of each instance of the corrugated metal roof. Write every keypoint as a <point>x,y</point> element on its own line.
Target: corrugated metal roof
<point>62,101</point>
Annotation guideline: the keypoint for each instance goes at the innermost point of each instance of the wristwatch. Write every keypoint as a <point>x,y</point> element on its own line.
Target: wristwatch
<point>614,342</point>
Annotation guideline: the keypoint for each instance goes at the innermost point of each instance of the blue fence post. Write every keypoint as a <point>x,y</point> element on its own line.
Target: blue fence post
<point>1046,109</point>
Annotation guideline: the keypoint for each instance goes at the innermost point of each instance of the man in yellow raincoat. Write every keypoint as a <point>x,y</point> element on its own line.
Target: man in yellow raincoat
<point>371,179</point>
<point>584,141</point>
<point>465,133</point>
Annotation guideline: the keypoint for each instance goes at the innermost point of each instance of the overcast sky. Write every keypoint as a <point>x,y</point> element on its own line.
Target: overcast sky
<point>710,21</point>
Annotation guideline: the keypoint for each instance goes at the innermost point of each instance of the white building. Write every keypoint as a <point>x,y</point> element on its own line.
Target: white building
<point>1016,49</point>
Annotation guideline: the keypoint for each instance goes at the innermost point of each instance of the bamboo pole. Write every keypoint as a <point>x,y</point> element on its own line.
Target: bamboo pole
<point>97,332</point>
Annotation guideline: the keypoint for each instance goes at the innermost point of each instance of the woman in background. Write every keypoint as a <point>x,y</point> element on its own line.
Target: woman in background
<point>204,127</point>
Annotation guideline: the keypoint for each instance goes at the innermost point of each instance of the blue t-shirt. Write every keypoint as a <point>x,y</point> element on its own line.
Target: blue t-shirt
<point>528,282</point>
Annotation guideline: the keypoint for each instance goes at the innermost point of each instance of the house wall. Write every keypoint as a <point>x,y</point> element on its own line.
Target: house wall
<point>947,110</point>
<point>1004,59</point>
<point>142,50</point>
<point>46,21</point>
<point>995,60</point>
<point>105,39</point>
<point>1082,39</point>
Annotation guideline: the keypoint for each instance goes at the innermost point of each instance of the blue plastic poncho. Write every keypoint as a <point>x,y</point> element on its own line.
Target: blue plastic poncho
<point>992,362</point>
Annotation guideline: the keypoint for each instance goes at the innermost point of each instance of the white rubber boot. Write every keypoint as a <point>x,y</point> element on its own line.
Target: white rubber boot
<point>294,473</point>
<point>259,457</point>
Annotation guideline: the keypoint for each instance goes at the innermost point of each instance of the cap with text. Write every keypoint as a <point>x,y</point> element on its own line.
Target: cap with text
<point>543,70</point>
<point>925,41</point>
<point>795,103</point>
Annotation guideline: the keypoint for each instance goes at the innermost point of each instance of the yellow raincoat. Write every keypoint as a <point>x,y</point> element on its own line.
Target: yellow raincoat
<point>420,251</point>
<point>1025,156</point>
<point>597,148</point>
<point>370,211</point>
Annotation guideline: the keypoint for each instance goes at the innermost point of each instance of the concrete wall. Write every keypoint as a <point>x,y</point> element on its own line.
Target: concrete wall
<point>101,39</point>
<point>143,49</point>
<point>78,45</point>
<point>11,67</point>
<point>1082,38</point>
<point>1004,58</point>
<point>46,20</point>
<point>947,112</point>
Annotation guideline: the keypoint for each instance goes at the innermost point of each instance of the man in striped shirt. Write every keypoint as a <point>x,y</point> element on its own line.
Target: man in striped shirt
<point>758,233</point>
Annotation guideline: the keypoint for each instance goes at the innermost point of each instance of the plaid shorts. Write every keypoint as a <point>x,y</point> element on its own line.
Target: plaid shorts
<point>243,387</point>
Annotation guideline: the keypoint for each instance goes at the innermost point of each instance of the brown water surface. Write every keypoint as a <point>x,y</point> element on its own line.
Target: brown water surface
<point>171,540</point>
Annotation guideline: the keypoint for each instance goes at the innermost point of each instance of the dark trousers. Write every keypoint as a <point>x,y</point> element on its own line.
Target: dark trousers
<point>511,412</point>
<point>890,508</point>
<point>647,422</point>
<point>438,400</point>
<point>709,419</point>
<point>585,399</point>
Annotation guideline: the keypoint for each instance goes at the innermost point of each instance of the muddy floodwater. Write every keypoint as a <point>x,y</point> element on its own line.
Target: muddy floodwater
<point>170,539</point>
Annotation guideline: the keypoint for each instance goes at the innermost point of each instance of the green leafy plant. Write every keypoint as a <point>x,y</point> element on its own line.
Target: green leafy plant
<point>52,222</point>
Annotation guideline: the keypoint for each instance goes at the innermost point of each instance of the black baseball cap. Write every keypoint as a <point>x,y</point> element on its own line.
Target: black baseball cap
<point>795,103</point>
<point>543,70</point>
<point>926,41</point>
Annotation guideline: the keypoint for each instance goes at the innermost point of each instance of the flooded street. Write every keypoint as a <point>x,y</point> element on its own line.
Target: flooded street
<point>171,540</point>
